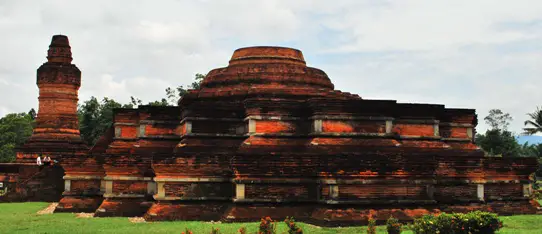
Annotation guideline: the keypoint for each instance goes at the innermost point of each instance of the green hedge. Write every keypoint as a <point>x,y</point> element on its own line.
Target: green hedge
<point>457,223</point>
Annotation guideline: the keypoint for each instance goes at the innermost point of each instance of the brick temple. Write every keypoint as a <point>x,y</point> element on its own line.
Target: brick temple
<point>265,136</point>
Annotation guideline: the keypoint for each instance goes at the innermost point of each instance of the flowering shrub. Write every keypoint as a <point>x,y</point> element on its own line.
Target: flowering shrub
<point>457,223</point>
<point>215,231</point>
<point>371,227</point>
<point>393,226</point>
<point>242,230</point>
<point>292,228</point>
<point>187,231</point>
<point>267,226</point>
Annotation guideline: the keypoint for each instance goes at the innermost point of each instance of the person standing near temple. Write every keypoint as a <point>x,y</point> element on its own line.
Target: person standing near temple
<point>47,160</point>
<point>38,160</point>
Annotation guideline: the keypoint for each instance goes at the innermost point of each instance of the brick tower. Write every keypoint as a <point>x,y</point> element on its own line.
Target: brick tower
<point>57,128</point>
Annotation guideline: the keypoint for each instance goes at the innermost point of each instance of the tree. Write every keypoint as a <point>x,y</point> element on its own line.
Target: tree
<point>162,102</point>
<point>15,128</point>
<point>137,102</point>
<point>96,117</point>
<point>535,122</point>
<point>173,95</point>
<point>532,150</point>
<point>498,141</point>
<point>497,119</point>
<point>32,114</point>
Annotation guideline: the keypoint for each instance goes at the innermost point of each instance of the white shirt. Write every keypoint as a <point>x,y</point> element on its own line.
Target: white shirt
<point>38,160</point>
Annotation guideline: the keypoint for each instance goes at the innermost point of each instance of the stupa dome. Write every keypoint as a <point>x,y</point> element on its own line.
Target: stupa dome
<point>268,71</point>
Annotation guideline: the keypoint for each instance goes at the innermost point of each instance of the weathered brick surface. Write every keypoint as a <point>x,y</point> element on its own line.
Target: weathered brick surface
<point>495,191</point>
<point>198,190</point>
<point>454,132</point>
<point>221,127</point>
<point>265,191</point>
<point>354,126</point>
<point>78,204</point>
<point>128,131</point>
<point>83,186</point>
<point>455,192</point>
<point>382,192</point>
<point>414,129</point>
<point>164,211</point>
<point>114,207</point>
<point>130,187</point>
<point>266,126</point>
<point>157,130</point>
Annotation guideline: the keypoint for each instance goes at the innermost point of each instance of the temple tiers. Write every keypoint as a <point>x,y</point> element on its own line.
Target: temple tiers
<point>56,133</point>
<point>270,136</point>
<point>57,126</point>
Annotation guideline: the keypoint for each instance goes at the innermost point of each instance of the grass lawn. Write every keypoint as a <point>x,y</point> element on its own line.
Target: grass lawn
<point>22,218</point>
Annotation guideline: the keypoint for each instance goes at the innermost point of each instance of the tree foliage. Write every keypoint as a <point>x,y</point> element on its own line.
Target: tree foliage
<point>173,95</point>
<point>498,141</point>
<point>95,117</point>
<point>535,122</point>
<point>498,119</point>
<point>15,128</point>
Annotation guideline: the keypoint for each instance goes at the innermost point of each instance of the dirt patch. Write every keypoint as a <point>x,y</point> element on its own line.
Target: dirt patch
<point>84,215</point>
<point>137,220</point>
<point>49,210</point>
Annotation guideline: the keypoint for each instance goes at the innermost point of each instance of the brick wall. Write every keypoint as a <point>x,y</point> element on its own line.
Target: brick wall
<point>453,132</point>
<point>128,131</point>
<point>382,192</point>
<point>265,191</point>
<point>453,192</point>
<point>81,186</point>
<point>130,187</point>
<point>492,191</point>
<point>414,129</point>
<point>353,126</point>
<point>192,190</point>
<point>215,127</point>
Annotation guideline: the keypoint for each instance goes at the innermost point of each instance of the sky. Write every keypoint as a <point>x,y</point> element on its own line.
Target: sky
<point>480,54</point>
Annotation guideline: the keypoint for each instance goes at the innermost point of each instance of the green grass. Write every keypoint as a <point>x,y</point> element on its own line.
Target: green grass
<point>22,218</point>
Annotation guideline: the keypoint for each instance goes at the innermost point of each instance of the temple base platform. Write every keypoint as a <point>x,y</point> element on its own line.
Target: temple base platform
<point>322,215</point>
<point>74,204</point>
<point>123,207</point>
<point>201,211</point>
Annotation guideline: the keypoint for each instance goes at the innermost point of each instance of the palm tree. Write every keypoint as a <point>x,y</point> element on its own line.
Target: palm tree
<point>535,122</point>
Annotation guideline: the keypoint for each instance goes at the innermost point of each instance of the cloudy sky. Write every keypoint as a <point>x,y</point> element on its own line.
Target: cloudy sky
<point>479,54</point>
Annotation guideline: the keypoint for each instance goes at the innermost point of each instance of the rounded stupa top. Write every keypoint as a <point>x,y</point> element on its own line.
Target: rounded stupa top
<point>59,50</point>
<point>266,68</point>
<point>267,54</point>
<point>266,72</point>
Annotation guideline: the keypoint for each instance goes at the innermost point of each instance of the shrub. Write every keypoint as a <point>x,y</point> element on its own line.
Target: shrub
<point>242,230</point>
<point>457,223</point>
<point>187,231</point>
<point>537,194</point>
<point>267,226</point>
<point>292,227</point>
<point>393,226</point>
<point>215,231</point>
<point>371,227</point>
